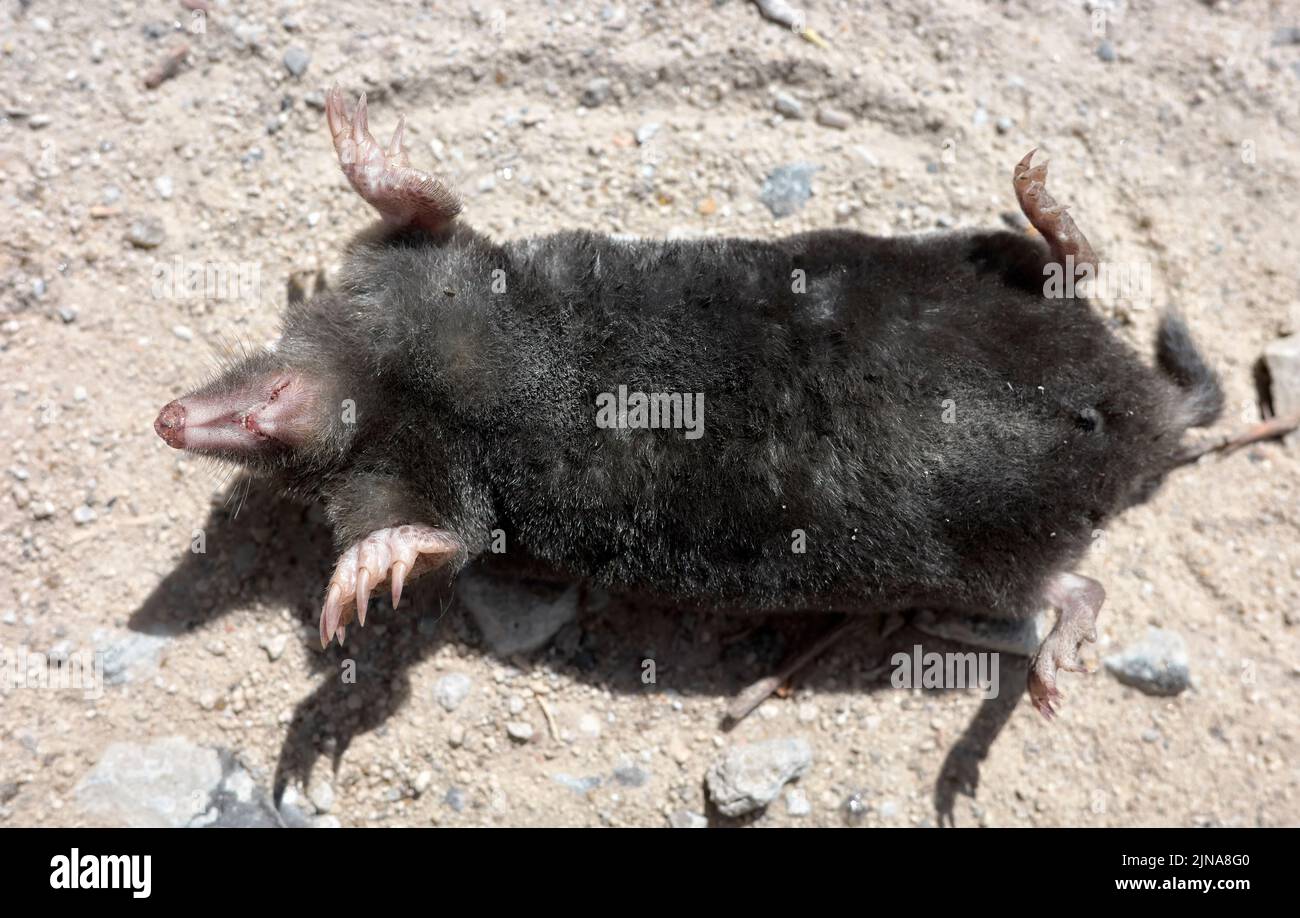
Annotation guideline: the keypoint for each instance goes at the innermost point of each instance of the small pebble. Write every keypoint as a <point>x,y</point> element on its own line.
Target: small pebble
<point>796,802</point>
<point>833,118</point>
<point>519,730</point>
<point>296,61</point>
<point>787,105</point>
<point>146,233</point>
<point>596,92</point>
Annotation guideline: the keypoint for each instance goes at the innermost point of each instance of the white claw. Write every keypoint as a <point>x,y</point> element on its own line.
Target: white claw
<point>395,145</point>
<point>360,121</point>
<point>363,595</point>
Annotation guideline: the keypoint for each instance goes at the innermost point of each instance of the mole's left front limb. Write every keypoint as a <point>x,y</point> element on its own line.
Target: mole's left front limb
<point>385,178</point>
<point>1077,599</point>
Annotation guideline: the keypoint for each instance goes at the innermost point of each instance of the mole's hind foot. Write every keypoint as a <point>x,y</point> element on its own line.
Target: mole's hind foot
<point>1051,219</point>
<point>398,554</point>
<point>385,179</point>
<point>1078,600</point>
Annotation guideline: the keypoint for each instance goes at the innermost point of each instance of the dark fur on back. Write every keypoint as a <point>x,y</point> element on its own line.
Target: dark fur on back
<point>939,431</point>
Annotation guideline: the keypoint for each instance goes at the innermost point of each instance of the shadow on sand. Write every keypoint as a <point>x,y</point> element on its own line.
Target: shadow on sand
<point>275,554</point>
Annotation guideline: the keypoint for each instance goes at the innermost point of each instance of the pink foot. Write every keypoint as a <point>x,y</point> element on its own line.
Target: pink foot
<point>386,554</point>
<point>1078,600</point>
<point>404,196</point>
<point>1052,220</point>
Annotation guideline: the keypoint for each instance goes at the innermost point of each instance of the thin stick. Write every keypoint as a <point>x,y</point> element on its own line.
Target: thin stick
<point>1268,430</point>
<point>755,694</point>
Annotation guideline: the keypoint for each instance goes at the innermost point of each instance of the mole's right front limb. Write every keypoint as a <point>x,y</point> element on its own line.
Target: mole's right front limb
<point>390,534</point>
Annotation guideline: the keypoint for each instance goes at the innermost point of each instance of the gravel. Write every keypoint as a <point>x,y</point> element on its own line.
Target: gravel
<point>833,118</point>
<point>165,784</point>
<point>596,92</point>
<point>146,233</point>
<point>788,188</point>
<point>788,105</point>
<point>296,60</point>
<point>452,689</point>
<point>750,776</point>
<point>1157,665</point>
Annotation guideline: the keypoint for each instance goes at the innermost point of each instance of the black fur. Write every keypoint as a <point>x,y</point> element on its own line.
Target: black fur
<point>940,431</point>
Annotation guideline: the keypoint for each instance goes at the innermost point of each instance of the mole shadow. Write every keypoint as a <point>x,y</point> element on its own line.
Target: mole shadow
<point>264,552</point>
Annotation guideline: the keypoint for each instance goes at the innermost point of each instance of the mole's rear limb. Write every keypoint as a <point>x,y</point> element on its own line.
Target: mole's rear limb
<point>1051,219</point>
<point>1077,599</point>
<point>404,196</point>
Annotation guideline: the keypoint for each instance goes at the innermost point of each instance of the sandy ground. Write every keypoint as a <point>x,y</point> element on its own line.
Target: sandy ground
<point>1172,130</point>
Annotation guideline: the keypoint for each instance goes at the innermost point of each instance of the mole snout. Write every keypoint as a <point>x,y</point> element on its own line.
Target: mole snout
<point>170,424</point>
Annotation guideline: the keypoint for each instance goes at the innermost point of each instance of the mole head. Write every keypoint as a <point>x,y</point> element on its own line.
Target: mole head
<point>263,412</point>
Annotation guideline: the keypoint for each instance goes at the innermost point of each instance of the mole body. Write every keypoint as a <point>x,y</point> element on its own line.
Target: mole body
<point>829,420</point>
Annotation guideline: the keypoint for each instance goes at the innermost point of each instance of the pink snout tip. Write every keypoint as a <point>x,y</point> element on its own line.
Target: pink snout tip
<point>170,425</point>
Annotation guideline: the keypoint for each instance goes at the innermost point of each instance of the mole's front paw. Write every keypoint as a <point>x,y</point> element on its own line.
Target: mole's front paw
<point>1079,601</point>
<point>385,179</point>
<point>1056,653</point>
<point>386,554</point>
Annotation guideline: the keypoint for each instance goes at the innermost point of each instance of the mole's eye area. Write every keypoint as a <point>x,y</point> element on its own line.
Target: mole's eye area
<point>1088,419</point>
<point>244,416</point>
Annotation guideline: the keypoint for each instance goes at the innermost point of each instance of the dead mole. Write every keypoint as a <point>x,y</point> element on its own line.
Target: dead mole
<point>876,423</point>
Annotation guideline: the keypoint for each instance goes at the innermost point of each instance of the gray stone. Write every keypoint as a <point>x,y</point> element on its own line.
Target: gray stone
<point>833,118</point>
<point>517,616</point>
<point>296,60</point>
<point>519,730</point>
<point>646,132</point>
<point>1106,51</point>
<point>321,795</point>
<point>1156,665</point>
<point>84,515</point>
<point>750,776</point>
<point>575,784</point>
<point>631,776</point>
<point>787,188</point>
<point>146,233</point>
<point>450,690</point>
<point>1022,637</point>
<point>166,784</point>
<point>295,809</point>
<point>239,802</point>
<point>796,802</point>
<point>597,92</point>
<point>787,105</point>
<point>275,646</point>
<point>687,819</point>
<point>130,657</point>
